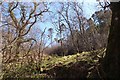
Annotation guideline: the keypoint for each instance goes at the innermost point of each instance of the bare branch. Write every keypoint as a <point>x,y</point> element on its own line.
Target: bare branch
<point>30,16</point>
<point>106,5</point>
<point>35,19</point>
<point>29,27</point>
<point>14,6</point>
<point>12,15</point>
<point>30,39</point>
<point>23,15</point>
<point>46,10</point>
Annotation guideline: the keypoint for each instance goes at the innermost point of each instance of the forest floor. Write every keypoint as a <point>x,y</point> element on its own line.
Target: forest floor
<point>79,65</point>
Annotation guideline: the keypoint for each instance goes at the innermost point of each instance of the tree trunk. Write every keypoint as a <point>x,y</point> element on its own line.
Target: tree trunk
<point>111,62</point>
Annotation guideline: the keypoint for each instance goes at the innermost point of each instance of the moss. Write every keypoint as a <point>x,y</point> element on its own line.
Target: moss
<point>55,66</point>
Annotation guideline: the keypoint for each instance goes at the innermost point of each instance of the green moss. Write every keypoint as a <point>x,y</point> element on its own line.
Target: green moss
<point>49,63</point>
<point>90,57</point>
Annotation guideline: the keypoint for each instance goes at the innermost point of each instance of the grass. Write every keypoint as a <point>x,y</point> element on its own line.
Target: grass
<point>90,57</point>
<point>17,69</point>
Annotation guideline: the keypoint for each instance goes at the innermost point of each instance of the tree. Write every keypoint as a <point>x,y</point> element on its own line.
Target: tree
<point>73,20</point>
<point>111,62</point>
<point>16,26</point>
<point>50,30</point>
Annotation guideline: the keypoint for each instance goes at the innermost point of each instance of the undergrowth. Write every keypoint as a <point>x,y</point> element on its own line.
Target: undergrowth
<point>51,66</point>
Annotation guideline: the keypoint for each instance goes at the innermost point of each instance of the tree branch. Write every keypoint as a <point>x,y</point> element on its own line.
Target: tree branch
<point>29,27</point>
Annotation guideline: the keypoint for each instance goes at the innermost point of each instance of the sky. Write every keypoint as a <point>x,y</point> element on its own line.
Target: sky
<point>56,0</point>
<point>89,7</point>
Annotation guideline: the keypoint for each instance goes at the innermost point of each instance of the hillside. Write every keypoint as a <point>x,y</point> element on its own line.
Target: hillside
<point>80,65</point>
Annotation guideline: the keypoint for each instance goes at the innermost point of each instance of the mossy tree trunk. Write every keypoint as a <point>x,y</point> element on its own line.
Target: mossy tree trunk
<point>111,62</point>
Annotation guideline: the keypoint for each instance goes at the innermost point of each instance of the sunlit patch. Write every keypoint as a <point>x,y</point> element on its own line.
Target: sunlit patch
<point>116,18</point>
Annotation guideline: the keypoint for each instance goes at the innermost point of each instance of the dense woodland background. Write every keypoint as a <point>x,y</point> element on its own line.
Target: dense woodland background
<point>74,43</point>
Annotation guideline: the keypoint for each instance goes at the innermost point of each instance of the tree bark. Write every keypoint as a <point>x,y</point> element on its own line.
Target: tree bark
<point>111,62</point>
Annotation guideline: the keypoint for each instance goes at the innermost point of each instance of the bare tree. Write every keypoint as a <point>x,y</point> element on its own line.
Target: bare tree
<point>50,34</point>
<point>21,22</point>
<point>72,15</point>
